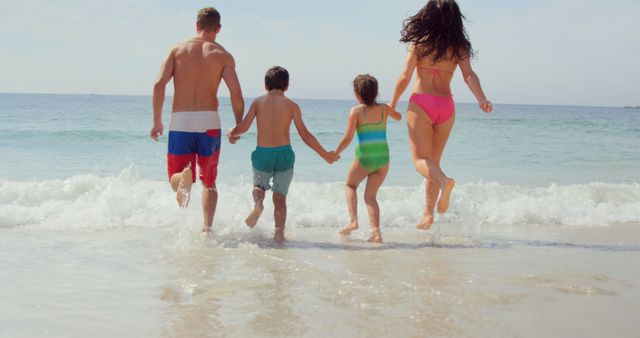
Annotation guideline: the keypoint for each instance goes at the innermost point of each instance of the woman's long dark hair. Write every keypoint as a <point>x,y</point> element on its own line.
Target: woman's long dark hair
<point>437,31</point>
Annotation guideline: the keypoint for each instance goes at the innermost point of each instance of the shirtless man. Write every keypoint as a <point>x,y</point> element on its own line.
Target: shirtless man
<point>197,67</point>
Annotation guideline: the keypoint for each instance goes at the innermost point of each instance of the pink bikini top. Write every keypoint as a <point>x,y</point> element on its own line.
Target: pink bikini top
<point>437,74</point>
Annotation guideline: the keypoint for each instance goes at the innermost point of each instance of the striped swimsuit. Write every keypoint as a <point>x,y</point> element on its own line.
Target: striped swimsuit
<point>373,151</point>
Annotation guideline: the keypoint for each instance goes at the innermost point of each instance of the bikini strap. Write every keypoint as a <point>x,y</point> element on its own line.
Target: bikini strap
<point>382,115</point>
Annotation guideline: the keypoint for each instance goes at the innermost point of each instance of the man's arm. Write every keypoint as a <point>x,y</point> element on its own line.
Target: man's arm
<point>309,139</point>
<point>166,73</point>
<point>230,78</point>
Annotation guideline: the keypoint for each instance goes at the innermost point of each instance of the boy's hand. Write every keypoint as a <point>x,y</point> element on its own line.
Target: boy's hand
<point>232,139</point>
<point>156,131</point>
<point>486,106</point>
<point>331,157</point>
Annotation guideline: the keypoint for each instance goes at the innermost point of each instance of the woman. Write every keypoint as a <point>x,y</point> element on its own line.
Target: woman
<point>438,44</point>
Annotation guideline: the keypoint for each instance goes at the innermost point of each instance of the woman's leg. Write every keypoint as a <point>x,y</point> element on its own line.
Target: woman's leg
<point>421,137</point>
<point>441,134</point>
<point>356,174</point>
<point>374,181</point>
<point>439,140</point>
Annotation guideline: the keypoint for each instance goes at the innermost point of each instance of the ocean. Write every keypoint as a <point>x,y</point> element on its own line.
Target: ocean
<point>545,219</point>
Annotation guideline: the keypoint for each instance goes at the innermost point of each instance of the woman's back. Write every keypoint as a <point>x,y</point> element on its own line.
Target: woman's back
<point>434,77</point>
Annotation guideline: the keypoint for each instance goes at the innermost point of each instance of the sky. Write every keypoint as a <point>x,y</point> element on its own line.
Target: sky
<point>559,52</point>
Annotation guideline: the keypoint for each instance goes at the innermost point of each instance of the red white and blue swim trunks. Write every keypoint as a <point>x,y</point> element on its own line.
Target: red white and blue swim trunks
<point>194,137</point>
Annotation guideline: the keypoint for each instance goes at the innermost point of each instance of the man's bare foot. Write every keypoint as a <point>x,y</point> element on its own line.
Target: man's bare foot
<point>183,193</point>
<point>253,217</point>
<point>278,237</point>
<point>426,223</point>
<point>443,202</point>
<point>376,236</point>
<point>347,230</point>
<point>206,230</point>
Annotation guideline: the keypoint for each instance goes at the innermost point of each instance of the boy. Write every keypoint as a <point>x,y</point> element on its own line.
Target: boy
<point>273,157</point>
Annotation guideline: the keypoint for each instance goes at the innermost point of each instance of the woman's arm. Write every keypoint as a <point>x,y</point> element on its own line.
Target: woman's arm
<point>349,132</point>
<point>405,77</point>
<point>473,82</point>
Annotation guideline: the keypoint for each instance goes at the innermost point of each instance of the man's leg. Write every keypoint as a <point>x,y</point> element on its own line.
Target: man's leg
<point>209,203</point>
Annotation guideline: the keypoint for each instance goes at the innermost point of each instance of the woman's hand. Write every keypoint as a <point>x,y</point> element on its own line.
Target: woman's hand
<point>486,106</point>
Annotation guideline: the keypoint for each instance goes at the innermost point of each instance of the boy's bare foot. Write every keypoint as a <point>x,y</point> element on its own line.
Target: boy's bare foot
<point>347,230</point>
<point>183,193</point>
<point>278,237</point>
<point>253,217</point>
<point>426,223</point>
<point>376,236</point>
<point>443,202</point>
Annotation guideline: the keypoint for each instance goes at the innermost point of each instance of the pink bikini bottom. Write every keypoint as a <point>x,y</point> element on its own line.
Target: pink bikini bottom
<point>439,108</point>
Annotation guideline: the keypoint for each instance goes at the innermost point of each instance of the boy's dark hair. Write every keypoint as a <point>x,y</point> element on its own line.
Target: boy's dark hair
<point>208,19</point>
<point>366,86</point>
<point>276,78</point>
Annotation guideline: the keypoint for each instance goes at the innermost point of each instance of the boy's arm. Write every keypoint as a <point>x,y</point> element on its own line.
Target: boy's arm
<point>309,139</point>
<point>392,113</point>
<point>348,133</point>
<point>243,126</point>
<point>166,73</point>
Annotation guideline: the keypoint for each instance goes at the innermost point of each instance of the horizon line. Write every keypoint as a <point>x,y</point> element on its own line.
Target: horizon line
<point>319,99</point>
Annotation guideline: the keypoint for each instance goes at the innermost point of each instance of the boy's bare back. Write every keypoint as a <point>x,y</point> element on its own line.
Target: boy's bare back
<point>274,113</point>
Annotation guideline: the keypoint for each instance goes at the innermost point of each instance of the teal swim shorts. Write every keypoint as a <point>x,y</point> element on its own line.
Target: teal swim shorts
<point>274,162</point>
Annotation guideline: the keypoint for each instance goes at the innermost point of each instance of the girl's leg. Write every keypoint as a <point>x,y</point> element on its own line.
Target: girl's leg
<point>440,136</point>
<point>421,134</point>
<point>356,174</point>
<point>374,181</point>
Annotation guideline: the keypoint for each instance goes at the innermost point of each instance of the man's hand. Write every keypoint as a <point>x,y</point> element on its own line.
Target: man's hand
<point>486,106</point>
<point>156,131</point>
<point>232,139</point>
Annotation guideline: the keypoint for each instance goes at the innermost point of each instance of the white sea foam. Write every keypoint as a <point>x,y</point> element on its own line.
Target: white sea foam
<point>93,202</point>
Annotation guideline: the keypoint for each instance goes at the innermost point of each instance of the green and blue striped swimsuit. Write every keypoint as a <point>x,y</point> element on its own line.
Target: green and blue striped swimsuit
<point>372,150</point>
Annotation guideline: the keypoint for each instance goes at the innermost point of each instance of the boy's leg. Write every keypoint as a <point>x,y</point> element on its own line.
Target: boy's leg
<point>355,175</point>
<point>258,198</point>
<point>374,181</point>
<point>280,216</point>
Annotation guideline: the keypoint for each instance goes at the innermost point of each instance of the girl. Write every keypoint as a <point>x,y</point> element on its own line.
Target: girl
<point>369,120</point>
<point>438,44</point>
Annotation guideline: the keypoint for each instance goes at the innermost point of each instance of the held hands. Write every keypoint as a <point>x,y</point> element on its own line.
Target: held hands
<point>486,106</point>
<point>232,138</point>
<point>156,131</point>
<point>331,157</point>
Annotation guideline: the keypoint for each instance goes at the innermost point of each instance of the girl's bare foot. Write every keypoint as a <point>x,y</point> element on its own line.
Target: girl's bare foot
<point>253,217</point>
<point>206,230</point>
<point>426,223</point>
<point>183,192</point>
<point>376,236</point>
<point>278,237</point>
<point>347,230</point>
<point>443,202</point>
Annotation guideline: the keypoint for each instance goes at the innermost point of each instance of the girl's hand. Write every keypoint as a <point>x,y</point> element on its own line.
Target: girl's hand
<point>486,106</point>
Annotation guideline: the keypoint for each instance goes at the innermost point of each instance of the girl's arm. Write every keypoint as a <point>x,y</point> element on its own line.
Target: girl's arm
<point>405,77</point>
<point>349,132</point>
<point>392,113</point>
<point>243,126</point>
<point>473,82</point>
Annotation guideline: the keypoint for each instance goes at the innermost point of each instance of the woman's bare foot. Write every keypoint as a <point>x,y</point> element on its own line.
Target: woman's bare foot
<point>278,237</point>
<point>443,202</point>
<point>376,236</point>
<point>347,230</point>
<point>253,217</point>
<point>426,223</point>
<point>183,193</point>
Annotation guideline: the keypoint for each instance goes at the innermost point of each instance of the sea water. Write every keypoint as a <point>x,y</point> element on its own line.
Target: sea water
<point>93,243</point>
